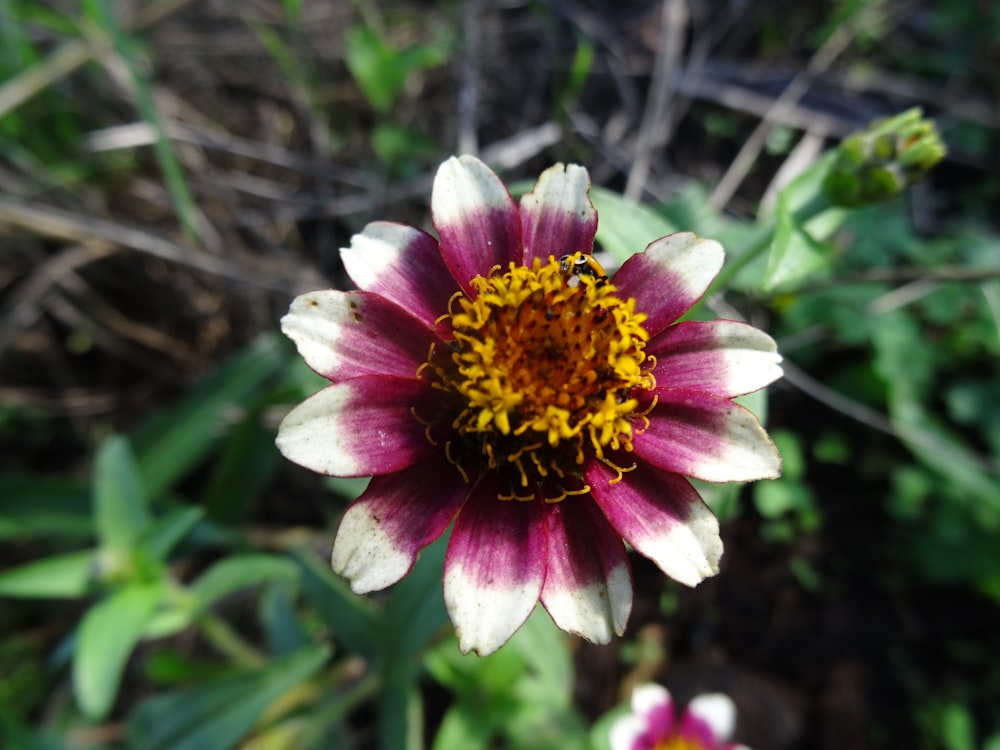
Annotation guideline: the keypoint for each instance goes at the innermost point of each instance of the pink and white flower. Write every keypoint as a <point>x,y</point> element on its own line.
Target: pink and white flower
<point>496,379</point>
<point>706,724</point>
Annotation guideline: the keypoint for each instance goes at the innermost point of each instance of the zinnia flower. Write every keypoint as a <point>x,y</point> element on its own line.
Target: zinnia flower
<point>497,379</point>
<point>706,724</point>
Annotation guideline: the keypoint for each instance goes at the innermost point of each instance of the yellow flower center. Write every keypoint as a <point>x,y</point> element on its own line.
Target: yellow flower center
<point>678,743</point>
<point>545,366</point>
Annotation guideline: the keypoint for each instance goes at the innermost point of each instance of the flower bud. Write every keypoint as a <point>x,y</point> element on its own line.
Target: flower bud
<point>882,160</point>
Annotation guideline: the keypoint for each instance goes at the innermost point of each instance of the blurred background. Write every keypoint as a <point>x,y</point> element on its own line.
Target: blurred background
<point>173,172</point>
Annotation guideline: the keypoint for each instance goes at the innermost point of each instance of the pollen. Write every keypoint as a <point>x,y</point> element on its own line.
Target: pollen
<point>546,366</point>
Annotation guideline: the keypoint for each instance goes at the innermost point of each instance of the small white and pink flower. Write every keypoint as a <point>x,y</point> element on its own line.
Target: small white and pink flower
<point>496,379</point>
<point>654,724</point>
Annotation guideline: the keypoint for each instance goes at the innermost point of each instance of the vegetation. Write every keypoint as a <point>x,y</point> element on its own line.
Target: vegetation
<point>172,173</point>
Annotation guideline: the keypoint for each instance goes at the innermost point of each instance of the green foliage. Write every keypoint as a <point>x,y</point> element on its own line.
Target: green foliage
<point>211,715</point>
<point>787,503</point>
<point>626,226</point>
<point>518,696</point>
<point>381,70</point>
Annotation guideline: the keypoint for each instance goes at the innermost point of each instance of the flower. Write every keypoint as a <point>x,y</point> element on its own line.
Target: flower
<point>499,379</point>
<point>706,723</point>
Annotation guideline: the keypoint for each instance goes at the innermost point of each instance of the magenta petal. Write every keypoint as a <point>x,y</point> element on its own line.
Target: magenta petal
<point>402,264</point>
<point>655,704</point>
<point>557,216</point>
<point>476,219</point>
<point>669,276</point>
<point>662,516</point>
<point>588,584</point>
<point>494,568</point>
<point>398,515</point>
<point>652,722</point>
<point>345,334</point>
<point>360,427</point>
<point>721,357</point>
<point>706,437</point>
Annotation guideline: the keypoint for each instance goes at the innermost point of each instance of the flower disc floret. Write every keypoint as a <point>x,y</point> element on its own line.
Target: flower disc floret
<point>545,368</point>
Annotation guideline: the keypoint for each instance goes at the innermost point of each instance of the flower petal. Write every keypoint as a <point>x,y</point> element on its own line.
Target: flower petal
<point>722,357</point>
<point>712,716</point>
<point>669,276</point>
<point>402,264</point>
<point>345,334</point>
<point>655,704</point>
<point>588,584</point>
<point>399,514</point>
<point>706,437</point>
<point>494,568</point>
<point>626,731</point>
<point>476,219</point>
<point>662,517</point>
<point>359,427</point>
<point>557,215</point>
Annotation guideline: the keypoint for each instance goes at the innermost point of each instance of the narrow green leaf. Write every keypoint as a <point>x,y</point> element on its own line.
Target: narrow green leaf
<point>246,466</point>
<point>351,618</point>
<point>173,443</point>
<point>164,534</point>
<point>235,573</point>
<point>104,20</point>
<point>121,506</point>
<point>418,601</point>
<point>61,576</point>
<point>108,634</point>
<point>280,617</point>
<point>220,713</point>
<point>44,505</point>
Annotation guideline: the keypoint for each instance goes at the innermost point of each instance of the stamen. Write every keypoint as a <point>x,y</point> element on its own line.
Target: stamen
<point>546,364</point>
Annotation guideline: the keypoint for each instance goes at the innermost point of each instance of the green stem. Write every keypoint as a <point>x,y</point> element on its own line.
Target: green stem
<point>229,642</point>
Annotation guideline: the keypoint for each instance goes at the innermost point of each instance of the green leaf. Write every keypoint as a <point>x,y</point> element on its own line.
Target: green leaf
<point>521,692</point>
<point>108,634</point>
<point>169,446</point>
<point>462,728</point>
<point>220,713</point>
<point>235,573</point>
<point>44,505</point>
<point>956,728</point>
<point>246,466</point>
<point>380,70</point>
<point>61,576</point>
<point>164,533</point>
<point>103,20</point>
<point>418,601</point>
<point>280,618</point>
<point>795,255</point>
<point>625,227</point>
<point>351,618</point>
<point>370,61</point>
<point>121,507</point>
